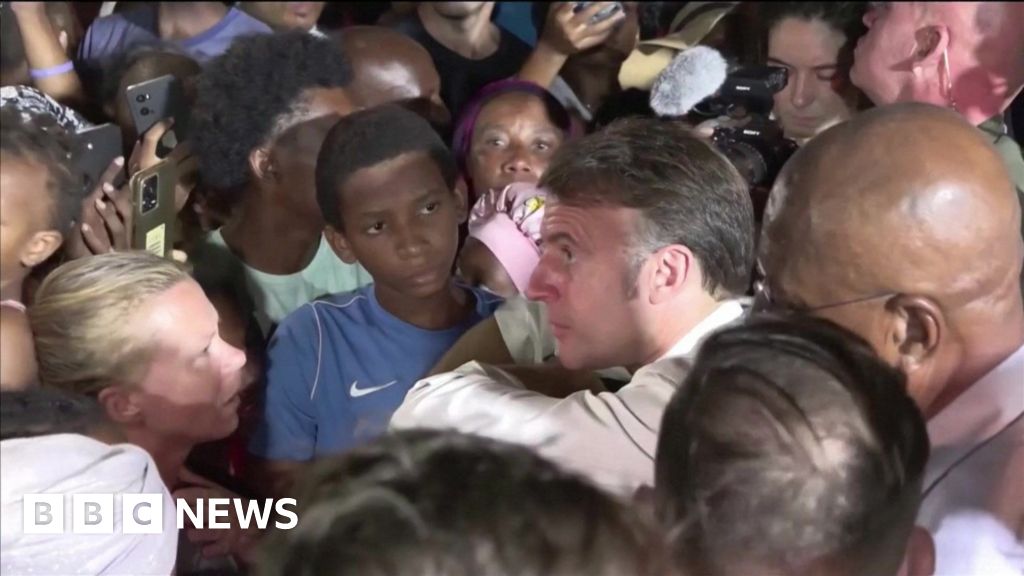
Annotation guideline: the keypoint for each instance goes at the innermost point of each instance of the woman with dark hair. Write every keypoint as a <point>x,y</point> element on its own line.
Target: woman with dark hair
<point>814,41</point>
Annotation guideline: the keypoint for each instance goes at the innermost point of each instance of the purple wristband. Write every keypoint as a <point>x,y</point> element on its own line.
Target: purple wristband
<point>52,71</point>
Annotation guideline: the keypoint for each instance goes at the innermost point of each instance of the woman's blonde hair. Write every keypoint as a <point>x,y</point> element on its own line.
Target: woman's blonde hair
<point>82,318</point>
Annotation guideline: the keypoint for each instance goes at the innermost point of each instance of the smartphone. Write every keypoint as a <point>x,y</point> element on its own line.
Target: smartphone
<point>159,99</point>
<point>93,149</point>
<point>153,203</point>
<point>602,15</point>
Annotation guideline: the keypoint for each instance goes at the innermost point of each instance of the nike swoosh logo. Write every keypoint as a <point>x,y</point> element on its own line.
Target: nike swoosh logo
<point>356,391</point>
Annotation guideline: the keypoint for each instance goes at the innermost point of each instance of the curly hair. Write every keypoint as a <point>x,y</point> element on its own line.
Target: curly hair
<point>42,141</point>
<point>253,92</point>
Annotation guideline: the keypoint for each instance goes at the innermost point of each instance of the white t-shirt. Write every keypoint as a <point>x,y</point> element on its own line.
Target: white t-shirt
<point>974,483</point>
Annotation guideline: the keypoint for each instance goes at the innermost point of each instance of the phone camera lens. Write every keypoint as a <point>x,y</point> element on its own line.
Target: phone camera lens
<point>144,111</point>
<point>149,194</point>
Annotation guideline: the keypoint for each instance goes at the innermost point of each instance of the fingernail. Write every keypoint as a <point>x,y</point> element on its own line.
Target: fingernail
<point>119,160</point>
<point>108,187</point>
<point>86,228</point>
<point>100,203</point>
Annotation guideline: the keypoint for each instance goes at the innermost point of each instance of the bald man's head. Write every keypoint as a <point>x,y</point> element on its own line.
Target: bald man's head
<point>909,213</point>
<point>391,67</point>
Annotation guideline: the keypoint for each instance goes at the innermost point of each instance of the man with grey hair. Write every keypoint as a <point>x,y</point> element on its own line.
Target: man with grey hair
<point>647,243</point>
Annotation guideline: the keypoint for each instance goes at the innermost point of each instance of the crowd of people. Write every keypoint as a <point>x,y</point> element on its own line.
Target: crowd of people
<point>442,275</point>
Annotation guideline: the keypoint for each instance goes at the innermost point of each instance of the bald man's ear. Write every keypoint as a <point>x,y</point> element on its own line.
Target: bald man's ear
<point>931,44</point>
<point>262,165</point>
<point>918,332</point>
<point>673,267</point>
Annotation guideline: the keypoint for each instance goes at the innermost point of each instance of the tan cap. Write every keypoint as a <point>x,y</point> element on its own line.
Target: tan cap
<point>690,26</point>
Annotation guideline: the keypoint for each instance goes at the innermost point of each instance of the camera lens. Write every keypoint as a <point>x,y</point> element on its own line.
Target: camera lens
<point>142,98</point>
<point>144,111</point>
<point>149,194</point>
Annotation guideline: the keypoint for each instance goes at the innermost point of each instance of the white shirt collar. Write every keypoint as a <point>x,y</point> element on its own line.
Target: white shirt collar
<point>981,412</point>
<point>726,313</point>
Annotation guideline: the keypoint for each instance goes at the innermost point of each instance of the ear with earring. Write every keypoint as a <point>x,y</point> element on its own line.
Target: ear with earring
<point>948,82</point>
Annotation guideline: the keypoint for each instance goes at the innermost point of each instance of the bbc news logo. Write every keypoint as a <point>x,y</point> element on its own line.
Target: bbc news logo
<point>144,513</point>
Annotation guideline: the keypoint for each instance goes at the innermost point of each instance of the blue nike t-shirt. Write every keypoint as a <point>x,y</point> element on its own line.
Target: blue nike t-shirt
<point>340,367</point>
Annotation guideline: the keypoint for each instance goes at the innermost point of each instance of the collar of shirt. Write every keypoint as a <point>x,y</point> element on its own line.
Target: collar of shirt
<point>995,126</point>
<point>979,414</point>
<point>725,313</point>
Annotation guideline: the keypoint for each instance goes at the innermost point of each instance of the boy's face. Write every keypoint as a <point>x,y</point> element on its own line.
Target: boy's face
<point>26,234</point>
<point>401,223</point>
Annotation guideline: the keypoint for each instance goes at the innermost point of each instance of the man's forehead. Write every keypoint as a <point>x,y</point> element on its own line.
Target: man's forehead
<point>594,221</point>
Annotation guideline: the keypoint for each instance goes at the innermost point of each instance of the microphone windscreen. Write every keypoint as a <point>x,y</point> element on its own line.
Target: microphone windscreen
<point>692,76</point>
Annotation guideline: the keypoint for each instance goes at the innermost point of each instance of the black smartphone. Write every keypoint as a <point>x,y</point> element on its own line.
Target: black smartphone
<point>93,150</point>
<point>602,15</point>
<point>159,99</point>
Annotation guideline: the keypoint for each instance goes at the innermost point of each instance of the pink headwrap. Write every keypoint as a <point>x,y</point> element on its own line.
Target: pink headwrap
<point>508,223</point>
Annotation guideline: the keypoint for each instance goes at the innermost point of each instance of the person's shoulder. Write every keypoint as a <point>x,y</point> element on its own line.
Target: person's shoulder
<point>244,23</point>
<point>486,302</point>
<point>511,49</point>
<point>344,310</point>
<point>14,322</point>
<point>18,366</point>
<point>143,17</point>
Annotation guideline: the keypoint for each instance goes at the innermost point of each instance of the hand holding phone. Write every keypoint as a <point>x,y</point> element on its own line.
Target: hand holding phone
<point>93,150</point>
<point>157,100</point>
<point>93,234</point>
<point>573,27</point>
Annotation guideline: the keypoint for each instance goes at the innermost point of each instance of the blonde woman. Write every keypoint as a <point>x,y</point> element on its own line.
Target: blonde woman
<point>137,333</point>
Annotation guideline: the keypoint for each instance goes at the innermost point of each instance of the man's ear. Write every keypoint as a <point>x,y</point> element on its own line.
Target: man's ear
<point>931,43</point>
<point>461,192</point>
<point>336,238</point>
<point>673,266</point>
<point>41,246</point>
<point>918,331</point>
<point>262,164</point>
<point>919,559</point>
<point>120,405</point>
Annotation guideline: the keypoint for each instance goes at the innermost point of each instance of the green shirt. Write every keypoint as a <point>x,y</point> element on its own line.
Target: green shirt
<point>1011,154</point>
<point>271,297</point>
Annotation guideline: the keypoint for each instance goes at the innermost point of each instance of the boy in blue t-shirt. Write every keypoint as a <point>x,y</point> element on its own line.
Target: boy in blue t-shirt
<point>339,367</point>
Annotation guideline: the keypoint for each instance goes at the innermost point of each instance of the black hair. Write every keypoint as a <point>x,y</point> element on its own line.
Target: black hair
<point>42,411</point>
<point>41,140</point>
<point>253,92</point>
<point>790,442</point>
<point>147,62</point>
<point>440,502</point>
<point>370,137</point>
<point>628,103</point>
<point>844,17</point>
<point>687,192</point>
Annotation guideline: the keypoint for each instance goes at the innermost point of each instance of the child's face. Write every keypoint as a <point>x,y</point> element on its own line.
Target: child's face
<point>513,141</point>
<point>479,267</point>
<point>401,223</point>
<point>26,232</point>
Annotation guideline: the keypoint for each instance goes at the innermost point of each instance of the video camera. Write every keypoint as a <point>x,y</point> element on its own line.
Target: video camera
<point>758,148</point>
